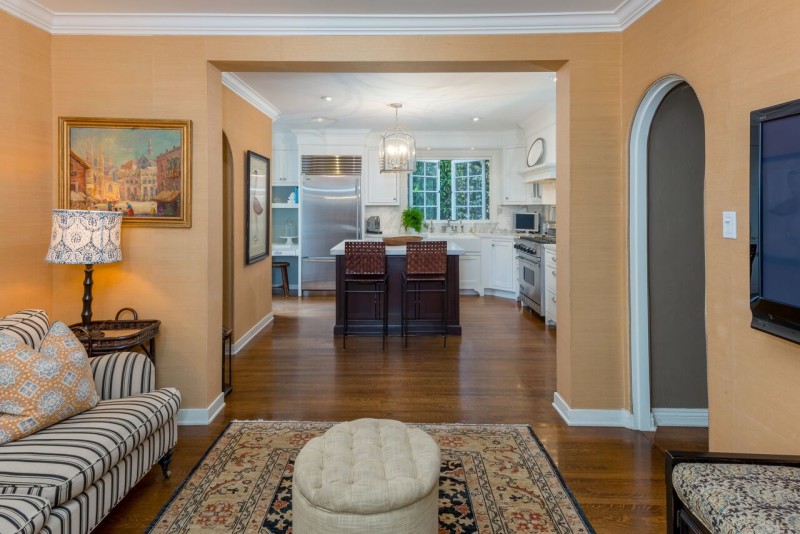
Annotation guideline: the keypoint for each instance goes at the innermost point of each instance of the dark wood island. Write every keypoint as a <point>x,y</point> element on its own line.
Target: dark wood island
<point>362,308</point>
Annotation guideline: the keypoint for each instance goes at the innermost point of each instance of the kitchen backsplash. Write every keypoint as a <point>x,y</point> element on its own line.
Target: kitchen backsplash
<point>504,217</point>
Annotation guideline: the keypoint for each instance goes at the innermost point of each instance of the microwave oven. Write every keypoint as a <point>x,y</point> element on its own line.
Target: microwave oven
<point>527,222</point>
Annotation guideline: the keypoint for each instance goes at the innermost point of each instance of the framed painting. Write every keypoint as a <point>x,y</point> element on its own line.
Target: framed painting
<point>256,207</point>
<point>139,167</point>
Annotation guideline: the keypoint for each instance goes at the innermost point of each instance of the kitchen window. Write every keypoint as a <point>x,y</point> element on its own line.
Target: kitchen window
<point>451,189</point>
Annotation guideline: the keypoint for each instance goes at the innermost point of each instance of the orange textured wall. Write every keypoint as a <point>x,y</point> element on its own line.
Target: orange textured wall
<point>738,55</point>
<point>175,275</point>
<point>26,166</point>
<point>170,274</point>
<point>246,129</point>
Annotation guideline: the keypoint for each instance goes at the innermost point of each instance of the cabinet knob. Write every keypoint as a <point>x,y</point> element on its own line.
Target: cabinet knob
<point>554,273</point>
<point>554,299</point>
<point>554,259</point>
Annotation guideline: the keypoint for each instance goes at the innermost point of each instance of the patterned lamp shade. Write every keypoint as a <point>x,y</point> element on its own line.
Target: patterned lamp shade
<point>87,237</point>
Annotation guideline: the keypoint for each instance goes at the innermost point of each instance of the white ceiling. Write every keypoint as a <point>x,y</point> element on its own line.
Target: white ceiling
<point>431,101</point>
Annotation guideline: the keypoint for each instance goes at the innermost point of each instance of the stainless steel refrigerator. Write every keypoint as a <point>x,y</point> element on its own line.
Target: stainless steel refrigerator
<point>330,213</point>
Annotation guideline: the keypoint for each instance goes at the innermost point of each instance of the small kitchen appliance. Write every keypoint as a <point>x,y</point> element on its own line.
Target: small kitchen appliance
<point>374,225</point>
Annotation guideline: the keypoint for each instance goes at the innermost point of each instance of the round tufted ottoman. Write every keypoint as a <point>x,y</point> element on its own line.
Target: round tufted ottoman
<point>369,475</point>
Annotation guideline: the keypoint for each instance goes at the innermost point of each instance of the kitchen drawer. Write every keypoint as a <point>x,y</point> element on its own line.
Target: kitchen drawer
<point>550,259</point>
<point>550,278</point>
<point>550,308</point>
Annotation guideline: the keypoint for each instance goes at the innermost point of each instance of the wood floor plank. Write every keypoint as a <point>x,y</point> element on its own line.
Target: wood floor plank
<point>501,370</point>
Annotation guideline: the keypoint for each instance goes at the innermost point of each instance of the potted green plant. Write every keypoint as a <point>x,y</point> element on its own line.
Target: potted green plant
<point>412,218</point>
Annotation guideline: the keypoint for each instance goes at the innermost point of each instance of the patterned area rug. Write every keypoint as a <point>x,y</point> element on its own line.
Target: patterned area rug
<point>494,479</point>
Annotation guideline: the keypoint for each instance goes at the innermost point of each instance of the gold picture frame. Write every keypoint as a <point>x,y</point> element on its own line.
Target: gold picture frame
<point>141,167</point>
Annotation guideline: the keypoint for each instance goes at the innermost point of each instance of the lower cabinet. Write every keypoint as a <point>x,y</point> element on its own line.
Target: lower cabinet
<point>550,302</point>
<point>498,255</point>
<point>470,272</point>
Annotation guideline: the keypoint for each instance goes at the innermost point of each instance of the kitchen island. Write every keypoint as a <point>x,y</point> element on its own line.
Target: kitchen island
<point>361,308</point>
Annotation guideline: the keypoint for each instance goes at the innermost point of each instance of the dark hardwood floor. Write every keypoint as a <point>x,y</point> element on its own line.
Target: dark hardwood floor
<point>502,370</point>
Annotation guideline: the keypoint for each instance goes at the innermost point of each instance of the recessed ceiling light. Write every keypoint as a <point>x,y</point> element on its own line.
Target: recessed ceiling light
<point>475,119</point>
<point>472,148</point>
<point>327,98</point>
<point>554,77</point>
<point>319,119</point>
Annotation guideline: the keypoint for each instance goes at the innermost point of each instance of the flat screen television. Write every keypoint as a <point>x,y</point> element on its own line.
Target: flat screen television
<point>775,220</point>
<point>526,222</point>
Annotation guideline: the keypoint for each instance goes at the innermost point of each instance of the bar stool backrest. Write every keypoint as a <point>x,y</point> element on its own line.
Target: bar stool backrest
<point>426,257</point>
<point>364,257</point>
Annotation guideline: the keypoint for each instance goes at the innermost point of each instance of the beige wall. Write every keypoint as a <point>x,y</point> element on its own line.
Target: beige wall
<point>738,55</point>
<point>170,274</point>
<point>246,129</point>
<point>26,166</point>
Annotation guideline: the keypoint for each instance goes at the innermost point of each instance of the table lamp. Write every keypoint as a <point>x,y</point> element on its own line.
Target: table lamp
<point>87,237</point>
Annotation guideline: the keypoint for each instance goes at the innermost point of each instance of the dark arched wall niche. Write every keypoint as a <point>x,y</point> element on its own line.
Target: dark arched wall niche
<point>676,266</point>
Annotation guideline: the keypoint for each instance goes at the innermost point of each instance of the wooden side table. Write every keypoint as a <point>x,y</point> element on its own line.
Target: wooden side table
<point>120,335</point>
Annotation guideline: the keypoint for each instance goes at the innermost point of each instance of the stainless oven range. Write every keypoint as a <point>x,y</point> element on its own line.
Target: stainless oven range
<point>529,253</point>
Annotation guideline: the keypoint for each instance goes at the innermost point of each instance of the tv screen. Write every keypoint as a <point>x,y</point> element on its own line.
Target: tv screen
<point>775,220</point>
<point>525,222</point>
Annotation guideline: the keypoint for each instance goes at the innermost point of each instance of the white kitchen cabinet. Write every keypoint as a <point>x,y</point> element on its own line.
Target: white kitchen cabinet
<point>542,192</point>
<point>498,255</point>
<point>550,294</point>
<point>380,189</point>
<point>514,189</point>
<point>284,169</point>
<point>470,272</point>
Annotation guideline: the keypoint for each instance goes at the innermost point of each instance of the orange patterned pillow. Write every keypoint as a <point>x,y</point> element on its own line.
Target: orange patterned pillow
<point>39,389</point>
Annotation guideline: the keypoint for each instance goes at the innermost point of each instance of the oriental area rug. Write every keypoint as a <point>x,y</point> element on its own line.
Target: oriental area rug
<point>493,479</point>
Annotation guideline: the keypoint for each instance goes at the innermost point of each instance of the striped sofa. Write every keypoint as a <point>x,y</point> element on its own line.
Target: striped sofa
<point>67,477</point>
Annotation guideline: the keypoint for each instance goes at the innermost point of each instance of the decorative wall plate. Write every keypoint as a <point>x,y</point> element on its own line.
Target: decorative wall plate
<point>536,152</point>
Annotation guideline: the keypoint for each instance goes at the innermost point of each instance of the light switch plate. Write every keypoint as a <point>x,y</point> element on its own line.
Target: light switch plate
<point>729,224</point>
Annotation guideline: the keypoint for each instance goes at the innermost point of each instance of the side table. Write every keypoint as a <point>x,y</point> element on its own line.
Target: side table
<point>119,335</point>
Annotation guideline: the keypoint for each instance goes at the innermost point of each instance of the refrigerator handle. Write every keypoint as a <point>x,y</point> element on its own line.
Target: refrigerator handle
<point>358,210</point>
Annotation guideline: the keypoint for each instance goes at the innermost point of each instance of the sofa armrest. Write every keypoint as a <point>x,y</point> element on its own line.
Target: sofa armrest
<point>676,509</point>
<point>23,514</point>
<point>123,374</point>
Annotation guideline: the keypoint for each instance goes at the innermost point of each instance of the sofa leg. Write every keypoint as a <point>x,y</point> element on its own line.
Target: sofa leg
<point>164,463</point>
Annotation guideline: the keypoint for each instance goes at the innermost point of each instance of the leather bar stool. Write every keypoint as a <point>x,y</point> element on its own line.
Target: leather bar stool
<point>284,268</point>
<point>426,272</point>
<point>364,266</point>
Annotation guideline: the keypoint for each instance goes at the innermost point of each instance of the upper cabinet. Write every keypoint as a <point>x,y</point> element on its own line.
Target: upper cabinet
<point>380,188</point>
<point>285,167</point>
<point>513,187</point>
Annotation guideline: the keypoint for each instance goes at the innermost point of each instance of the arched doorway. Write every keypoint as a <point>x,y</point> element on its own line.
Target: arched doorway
<point>659,146</point>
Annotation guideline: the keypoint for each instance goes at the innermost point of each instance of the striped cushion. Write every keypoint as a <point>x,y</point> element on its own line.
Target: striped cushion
<point>82,514</point>
<point>123,374</point>
<point>29,326</point>
<point>60,462</point>
<point>23,514</point>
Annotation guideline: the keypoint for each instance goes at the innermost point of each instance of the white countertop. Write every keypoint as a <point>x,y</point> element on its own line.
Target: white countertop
<point>453,249</point>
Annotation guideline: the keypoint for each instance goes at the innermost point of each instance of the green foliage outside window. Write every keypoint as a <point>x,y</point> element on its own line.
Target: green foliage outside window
<point>432,183</point>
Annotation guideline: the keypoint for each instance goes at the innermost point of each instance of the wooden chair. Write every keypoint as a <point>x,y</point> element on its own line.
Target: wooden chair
<point>426,272</point>
<point>365,265</point>
<point>284,270</point>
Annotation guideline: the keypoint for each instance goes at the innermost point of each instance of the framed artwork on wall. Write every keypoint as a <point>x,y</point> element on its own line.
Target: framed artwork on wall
<point>256,210</point>
<point>139,167</point>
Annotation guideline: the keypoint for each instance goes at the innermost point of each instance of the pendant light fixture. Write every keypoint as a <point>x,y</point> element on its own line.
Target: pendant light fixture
<point>398,148</point>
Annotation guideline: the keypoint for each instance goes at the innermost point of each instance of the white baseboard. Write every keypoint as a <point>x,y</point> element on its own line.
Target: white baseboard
<point>240,343</point>
<point>582,417</point>
<point>500,293</point>
<point>200,416</point>
<point>681,416</point>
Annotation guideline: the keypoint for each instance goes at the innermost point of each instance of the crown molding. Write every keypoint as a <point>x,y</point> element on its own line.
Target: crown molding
<point>250,95</point>
<point>63,23</point>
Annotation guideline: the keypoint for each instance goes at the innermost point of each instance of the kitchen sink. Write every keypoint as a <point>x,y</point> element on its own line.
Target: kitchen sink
<point>470,243</point>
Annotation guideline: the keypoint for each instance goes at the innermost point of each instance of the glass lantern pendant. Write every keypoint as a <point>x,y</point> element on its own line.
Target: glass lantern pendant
<point>398,149</point>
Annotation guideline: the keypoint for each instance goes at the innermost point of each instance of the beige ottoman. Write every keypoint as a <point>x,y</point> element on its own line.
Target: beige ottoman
<point>370,475</point>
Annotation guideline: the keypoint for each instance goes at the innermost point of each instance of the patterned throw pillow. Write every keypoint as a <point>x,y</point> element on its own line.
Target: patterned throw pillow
<point>41,388</point>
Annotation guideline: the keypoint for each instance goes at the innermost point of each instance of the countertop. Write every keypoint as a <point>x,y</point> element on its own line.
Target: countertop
<point>453,249</point>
